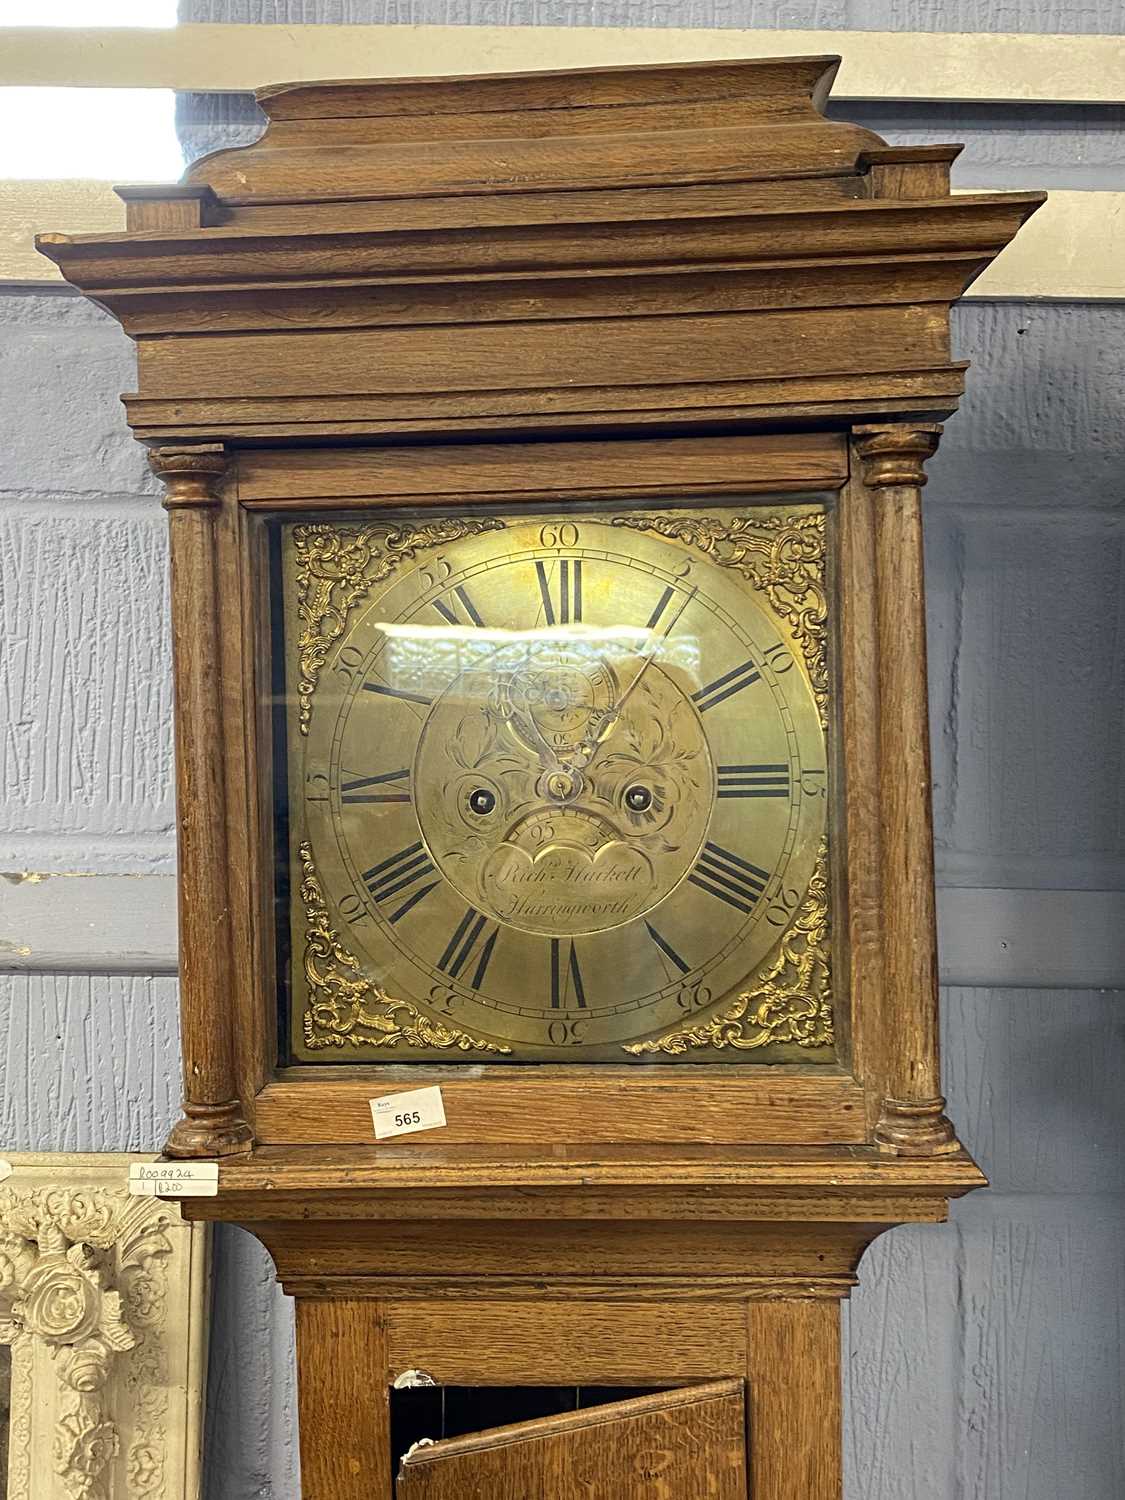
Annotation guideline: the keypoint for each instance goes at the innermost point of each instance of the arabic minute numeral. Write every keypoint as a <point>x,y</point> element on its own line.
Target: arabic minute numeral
<point>778,658</point>
<point>443,998</point>
<point>693,997</point>
<point>567,1033</point>
<point>563,534</point>
<point>353,910</point>
<point>779,913</point>
<point>349,659</point>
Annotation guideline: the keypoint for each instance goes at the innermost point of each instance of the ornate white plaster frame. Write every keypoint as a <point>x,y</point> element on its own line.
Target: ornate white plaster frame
<point>103,1300</point>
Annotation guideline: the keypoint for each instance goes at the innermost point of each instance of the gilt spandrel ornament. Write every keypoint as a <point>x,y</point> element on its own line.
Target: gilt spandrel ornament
<point>345,1008</point>
<point>791,1000</point>
<point>337,567</point>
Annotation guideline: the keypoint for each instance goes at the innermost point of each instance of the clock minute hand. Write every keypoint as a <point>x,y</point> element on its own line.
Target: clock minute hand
<point>590,742</point>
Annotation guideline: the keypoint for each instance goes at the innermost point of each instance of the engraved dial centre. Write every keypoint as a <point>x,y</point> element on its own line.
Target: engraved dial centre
<point>599,798</point>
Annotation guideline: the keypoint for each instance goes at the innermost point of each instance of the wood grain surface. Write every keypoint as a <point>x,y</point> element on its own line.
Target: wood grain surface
<point>344,1405</point>
<point>794,1383</point>
<point>663,1447</point>
<point>911,1120</point>
<point>538,1102</point>
<point>501,1341</point>
<point>514,471</point>
<point>213,1124</point>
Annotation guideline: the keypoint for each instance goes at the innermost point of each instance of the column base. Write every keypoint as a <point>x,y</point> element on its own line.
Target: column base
<point>209,1130</point>
<point>915,1127</point>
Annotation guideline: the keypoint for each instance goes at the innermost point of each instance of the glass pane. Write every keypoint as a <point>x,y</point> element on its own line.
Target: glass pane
<point>553,789</point>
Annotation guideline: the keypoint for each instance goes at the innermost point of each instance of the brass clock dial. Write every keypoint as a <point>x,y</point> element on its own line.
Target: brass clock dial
<point>558,788</point>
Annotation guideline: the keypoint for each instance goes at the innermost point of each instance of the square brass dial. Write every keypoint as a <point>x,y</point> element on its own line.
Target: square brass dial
<point>555,787</point>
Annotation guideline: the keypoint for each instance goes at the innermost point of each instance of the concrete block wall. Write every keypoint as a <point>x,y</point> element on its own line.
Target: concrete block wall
<point>983,1357</point>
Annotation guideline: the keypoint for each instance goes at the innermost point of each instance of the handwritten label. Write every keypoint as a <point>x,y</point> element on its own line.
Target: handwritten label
<point>174,1179</point>
<point>402,1114</point>
<point>6,1169</point>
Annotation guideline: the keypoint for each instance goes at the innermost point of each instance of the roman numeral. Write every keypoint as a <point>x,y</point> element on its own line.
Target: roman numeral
<point>569,609</point>
<point>397,785</point>
<point>731,878</point>
<point>401,693</point>
<point>666,948</point>
<point>723,687</point>
<point>754,781</point>
<point>661,605</point>
<point>404,871</point>
<point>447,612</point>
<point>565,977</point>
<point>461,945</point>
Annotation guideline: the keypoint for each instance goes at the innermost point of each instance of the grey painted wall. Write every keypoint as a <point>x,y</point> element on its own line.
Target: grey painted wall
<point>983,1357</point>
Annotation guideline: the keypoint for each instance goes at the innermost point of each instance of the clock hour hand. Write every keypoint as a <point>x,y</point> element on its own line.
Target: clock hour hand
<point>548,756</point>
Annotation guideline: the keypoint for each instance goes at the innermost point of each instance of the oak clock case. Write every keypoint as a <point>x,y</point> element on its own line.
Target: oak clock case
<point>543,456</point>
<point>553,785</point>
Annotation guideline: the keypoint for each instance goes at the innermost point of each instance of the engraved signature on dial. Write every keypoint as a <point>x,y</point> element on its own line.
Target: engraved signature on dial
<point>553,823</point>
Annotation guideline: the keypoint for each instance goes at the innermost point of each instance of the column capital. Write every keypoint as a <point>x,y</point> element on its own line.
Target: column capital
<point>190,474</point>
<point>895,454</point>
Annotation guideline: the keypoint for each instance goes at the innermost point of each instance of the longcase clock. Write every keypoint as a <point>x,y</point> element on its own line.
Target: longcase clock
<point>543,457</point>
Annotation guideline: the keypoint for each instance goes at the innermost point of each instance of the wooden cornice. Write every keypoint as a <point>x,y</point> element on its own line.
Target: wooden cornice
<point>511,133</point>
<point>600,250</point>
<point>622,241</point>
<point>670,1181</point>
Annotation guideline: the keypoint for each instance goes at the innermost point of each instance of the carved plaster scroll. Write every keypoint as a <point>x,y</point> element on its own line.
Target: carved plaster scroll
<point>102,1304</point>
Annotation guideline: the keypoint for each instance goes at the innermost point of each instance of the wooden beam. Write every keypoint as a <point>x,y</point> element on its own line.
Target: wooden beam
<point>947,66</point>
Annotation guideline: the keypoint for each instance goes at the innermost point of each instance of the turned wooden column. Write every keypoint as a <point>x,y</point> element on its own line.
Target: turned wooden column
<point>912,1119</point>
<point>212,1123</point>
